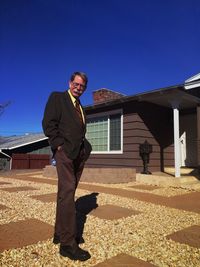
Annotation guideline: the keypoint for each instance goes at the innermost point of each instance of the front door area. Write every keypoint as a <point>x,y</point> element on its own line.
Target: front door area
<point>188,137</point>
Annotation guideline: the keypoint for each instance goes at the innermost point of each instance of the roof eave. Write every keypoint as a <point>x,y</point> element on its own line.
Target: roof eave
<point>25,144</point>
<point>136,97</point>
<point>4,154</point>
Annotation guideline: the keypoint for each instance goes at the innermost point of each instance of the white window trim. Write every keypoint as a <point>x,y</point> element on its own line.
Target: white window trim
<point>108,113</point>
<point>108,132</point>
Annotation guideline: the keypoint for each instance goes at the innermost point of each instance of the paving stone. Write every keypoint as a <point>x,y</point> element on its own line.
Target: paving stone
<point>186,202</point>
<point>145,187</point>
<point>124,260</point>
<point>189,236</point>
<point>36,180</point>
<point>29,173</point>
<point>3,207</point>
<point>19,188</point>
<point>2,183</point>
<point>46,197</point>
<point>111,212</point>
<point>23,233</point>
<point>189,202</point>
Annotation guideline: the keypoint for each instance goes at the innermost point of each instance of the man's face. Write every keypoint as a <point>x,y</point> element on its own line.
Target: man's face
<point>77,87</point>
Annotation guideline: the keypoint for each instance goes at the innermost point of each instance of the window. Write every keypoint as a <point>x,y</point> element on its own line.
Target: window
<point>105,133</point>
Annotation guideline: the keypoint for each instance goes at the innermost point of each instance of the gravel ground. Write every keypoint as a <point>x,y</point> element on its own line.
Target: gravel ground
<point>143,235</point>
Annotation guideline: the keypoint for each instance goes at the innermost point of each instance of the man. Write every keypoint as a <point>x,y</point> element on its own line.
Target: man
<point>64,124</point>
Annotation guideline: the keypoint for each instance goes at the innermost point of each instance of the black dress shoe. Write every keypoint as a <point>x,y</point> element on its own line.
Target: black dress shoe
<point>74,253</point>
<point>79,240</point>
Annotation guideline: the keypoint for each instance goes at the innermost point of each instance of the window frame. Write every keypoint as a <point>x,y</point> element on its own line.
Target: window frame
<point>109,113</point>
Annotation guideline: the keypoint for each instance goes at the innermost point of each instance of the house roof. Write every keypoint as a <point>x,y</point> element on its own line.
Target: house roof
<point>173,96</point>
<point>11,142</point>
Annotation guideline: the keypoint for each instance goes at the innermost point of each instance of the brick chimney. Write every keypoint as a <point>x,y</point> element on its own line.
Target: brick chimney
<point>105,95</point>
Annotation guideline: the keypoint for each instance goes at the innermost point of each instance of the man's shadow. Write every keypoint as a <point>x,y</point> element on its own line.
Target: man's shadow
<point>84,205</point>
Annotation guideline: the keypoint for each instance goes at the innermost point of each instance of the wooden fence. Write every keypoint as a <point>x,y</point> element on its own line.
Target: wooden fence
<point>30,161</point>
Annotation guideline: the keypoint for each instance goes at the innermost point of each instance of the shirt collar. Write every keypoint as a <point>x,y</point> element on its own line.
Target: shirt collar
<point>71,96</point>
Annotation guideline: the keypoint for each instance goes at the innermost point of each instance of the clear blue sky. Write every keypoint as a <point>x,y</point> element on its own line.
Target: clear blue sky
<point>129,46</point>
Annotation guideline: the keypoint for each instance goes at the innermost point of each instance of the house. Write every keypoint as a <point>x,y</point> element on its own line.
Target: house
<point>29,151</point>
<point>167,118</point>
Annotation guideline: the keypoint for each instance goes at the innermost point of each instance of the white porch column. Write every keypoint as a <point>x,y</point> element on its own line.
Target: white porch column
<point>176,142</point>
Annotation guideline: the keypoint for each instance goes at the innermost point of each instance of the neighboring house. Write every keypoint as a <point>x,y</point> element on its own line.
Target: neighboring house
<point>29,151</point>
<point>168,119</point>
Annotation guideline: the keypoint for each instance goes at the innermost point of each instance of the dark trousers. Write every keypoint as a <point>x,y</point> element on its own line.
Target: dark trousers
<point>69,173</point>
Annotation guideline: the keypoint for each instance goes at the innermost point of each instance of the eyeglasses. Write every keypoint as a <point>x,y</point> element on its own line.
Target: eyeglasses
<point>79,84</point>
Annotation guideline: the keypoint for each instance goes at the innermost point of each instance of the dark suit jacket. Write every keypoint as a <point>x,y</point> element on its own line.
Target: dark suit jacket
<point>62,125</point>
